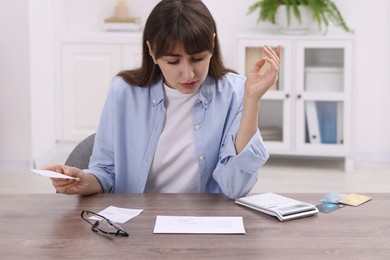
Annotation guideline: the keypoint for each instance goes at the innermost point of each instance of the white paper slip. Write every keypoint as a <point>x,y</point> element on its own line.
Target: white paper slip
<point>52,174</point>
<point>118,215</point>
<point>198,225</point>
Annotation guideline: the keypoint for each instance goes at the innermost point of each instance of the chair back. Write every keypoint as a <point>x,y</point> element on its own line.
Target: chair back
<point>81,154</point>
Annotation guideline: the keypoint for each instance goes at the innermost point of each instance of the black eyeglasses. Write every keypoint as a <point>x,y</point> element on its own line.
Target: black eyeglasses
<point>110,229</point>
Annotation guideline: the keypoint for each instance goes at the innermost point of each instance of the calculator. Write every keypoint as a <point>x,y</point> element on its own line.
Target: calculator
<point>279,206</point>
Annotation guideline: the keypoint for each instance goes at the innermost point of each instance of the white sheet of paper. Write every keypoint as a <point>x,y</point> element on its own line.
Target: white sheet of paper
<point>52,174</point>
<point>199,225</point>
<point>118,215</point>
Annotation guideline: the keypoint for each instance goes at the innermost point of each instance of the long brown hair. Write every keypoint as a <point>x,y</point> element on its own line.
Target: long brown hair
<point>177,21</point>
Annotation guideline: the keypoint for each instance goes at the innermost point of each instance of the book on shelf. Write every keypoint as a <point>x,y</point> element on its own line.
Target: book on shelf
<point>327,116</point>
<point>312,123</point>
<point>340,123</point>
<point>324,122</point>
<point>122,24</point>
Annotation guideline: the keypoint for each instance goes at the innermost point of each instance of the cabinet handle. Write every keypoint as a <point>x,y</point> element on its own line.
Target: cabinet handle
<point>287,95</point>
<point>299,96</point>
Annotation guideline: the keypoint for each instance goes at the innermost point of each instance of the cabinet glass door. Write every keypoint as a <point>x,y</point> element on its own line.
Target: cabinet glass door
<point>275,104</point>
<point>323,70</point>
<point>271,120</point>
<point>321,97</point>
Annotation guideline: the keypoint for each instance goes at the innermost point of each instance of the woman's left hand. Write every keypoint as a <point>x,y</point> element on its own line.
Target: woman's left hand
<point>259,79</point>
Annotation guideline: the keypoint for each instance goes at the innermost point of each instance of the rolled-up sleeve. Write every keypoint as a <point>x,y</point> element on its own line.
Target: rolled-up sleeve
<point>236,174</point>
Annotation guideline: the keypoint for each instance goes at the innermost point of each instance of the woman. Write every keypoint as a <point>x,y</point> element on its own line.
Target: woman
<point>182,122</point>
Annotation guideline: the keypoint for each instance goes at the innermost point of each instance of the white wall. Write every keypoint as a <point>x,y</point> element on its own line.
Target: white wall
<point>15,120</point>
<point>372,58</point>
<point>27,132</point>
<point>26,66</point>
<point>43,135</point>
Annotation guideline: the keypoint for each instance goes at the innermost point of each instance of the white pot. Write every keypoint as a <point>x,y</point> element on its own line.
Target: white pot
<point>294,27</point>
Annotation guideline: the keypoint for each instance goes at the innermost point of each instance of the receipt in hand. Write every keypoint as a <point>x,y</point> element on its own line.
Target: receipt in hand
<point>52,174</point>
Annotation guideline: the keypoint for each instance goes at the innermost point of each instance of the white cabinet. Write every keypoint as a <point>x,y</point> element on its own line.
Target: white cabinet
<point>309,111</point>
<point>88,66</point>
<point>131,56</point>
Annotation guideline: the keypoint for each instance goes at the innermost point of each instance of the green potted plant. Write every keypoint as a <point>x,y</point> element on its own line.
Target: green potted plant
<point>321,11</point>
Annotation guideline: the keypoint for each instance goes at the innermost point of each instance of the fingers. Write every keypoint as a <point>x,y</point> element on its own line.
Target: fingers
<point>258,65</point>
<point>65,185</point>
<point>67,170</point>
<point>56,168</point>
<point>273,64</point>
<point>272,57</point>
<point>279,52</point>
<point>270,76</point>
<point>60,183</point>
<point>72,171</point>
<point>270,53</point>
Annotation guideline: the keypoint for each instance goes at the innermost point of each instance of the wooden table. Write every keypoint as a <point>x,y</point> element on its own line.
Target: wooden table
<point>48,226</point>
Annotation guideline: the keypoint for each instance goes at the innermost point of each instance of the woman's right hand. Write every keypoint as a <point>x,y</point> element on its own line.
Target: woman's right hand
<point>85,184</point>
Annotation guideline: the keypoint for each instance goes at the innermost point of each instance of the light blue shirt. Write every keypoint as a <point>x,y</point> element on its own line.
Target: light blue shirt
<point>131,123</point>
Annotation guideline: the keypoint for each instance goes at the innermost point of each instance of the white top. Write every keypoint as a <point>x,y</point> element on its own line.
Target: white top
<point>175,165</point>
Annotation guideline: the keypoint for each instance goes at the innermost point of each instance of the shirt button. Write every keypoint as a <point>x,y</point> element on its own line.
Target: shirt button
<point>197,127</point>
<point>154,101</point>
<point>206,102</point>
<point>201,158</point>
